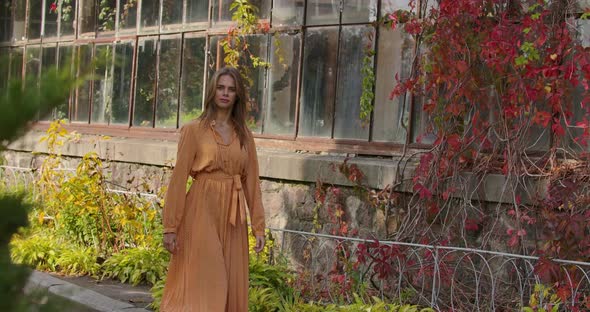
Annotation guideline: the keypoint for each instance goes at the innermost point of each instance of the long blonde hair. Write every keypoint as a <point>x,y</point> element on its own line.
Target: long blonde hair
<point>238,113</point>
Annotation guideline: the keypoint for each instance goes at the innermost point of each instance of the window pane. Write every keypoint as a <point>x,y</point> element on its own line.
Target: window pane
<point>81,108</point>
<point>87,16</point>
<point>320,12</point>
<point>143,111</point>
<point>353,44</point>
<point>4,67</point>
<point>127,14</point>
<point>18,32</point>
<point>48,61</point>
<point>287,12</point>
<point>359,11</point>
<point>150,11</point>
<point>64,61</point>
<point>221,12</point>
<point>583,28</point>
<point>107,10</point>
<point>16,63</point>
<point>197,11</point>
<point>34,29</point>
<point>282,99</point>
<point>68,17</point>
<point>5,21</point>
<point>193,69</point>
<point>33,65</point>
<point>391,117</point>
<point>319,79</point>
<point>389,6</point>
<point>103,84</point>
<point>49,56</point>
<point>167,107</point>
<point>263,8</point>
<point>122,82</point>
<point>216,55</point>
<point>257,45</point>
<point>51,16</point>
<point>172,12</point>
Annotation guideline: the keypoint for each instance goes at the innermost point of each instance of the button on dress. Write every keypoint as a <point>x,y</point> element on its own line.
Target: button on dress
<point>209,271</point>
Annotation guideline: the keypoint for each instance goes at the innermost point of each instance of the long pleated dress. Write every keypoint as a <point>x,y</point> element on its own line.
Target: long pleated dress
<point>209,271</point>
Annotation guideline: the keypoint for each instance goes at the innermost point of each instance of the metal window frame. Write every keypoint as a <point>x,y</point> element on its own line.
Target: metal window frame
<point>208,30</point>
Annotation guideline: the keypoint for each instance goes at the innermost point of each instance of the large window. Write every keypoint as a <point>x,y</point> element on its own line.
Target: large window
<point>145,82</point>
<point>193,74</point>
<point>168,82</point>
<point>153,59</point>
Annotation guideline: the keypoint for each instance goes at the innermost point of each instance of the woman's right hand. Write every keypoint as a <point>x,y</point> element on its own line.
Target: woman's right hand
<point>170,242</point>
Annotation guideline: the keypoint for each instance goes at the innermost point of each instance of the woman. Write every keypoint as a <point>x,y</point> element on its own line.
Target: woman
<point>205,230</point>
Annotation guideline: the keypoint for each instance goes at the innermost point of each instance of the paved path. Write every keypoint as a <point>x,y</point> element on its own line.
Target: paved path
<point>92,300</point>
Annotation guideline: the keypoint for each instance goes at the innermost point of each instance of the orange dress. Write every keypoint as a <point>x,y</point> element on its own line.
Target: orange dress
<point>209,271</point>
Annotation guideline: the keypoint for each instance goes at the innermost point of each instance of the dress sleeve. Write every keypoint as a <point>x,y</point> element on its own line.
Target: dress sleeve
<point>176,194</point>
<point>253,193</point>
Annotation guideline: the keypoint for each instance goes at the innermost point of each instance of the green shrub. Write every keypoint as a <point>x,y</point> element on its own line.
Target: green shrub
<point>137,265</point>
<point>40,252</point>
<point>157,291</point>
<point>79,261</point>
<point>263,300</point>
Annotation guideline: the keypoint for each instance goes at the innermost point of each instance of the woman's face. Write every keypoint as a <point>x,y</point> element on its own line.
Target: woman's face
<point>225,92</point>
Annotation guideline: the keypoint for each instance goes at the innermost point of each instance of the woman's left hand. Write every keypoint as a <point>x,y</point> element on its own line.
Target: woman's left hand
<point>260,241</point>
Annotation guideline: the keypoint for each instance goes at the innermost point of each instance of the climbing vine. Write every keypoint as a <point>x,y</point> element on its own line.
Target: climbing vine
<point>502,87</point>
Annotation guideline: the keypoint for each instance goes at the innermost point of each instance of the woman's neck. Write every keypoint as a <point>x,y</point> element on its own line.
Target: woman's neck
<point>223,116</point>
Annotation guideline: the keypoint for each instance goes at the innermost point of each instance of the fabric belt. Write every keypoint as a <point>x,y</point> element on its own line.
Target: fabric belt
<point>238,202</point>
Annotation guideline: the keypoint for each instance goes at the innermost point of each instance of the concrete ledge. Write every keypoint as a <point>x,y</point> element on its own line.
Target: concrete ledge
<point>78,294</point>
<point>282,165</point>
<point>274,164</point>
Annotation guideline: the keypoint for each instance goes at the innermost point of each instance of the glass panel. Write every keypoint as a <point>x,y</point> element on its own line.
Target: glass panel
<point>359,11</point>
<point>107,10</point>
<point>354,41</point>
<point>51,16</point>
<point>18,32</point>
<point>257,45</point>
<point>35,15</point>
<point>216,55</point>
<point>282,96</point>
<point>583,27</point>
<point>49,56</point>
<point>287,12</point>
<point>143,112</point>
<point>16,63</point>
<point>391,117</point>
<point>103,84</point>
<point>193,69</point>
<point>389,6</point>
<point>4,67</point>
<point>87,16</point>
<point>33,65</point>
<point>221,12</point>
<point>321,12</point>
<point>68,17</point>
<point>150,11</point>
<point>172,12</point>
<point>263,8</point>
<point>81,108</point>
<point>48,61</point>
<point>167,106</point>
<point>5,21</point>
<point>122,83</point>
<point>197,11</point>
<point>127,14</point>
<point>319,79</point>
<point>64,61</point>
